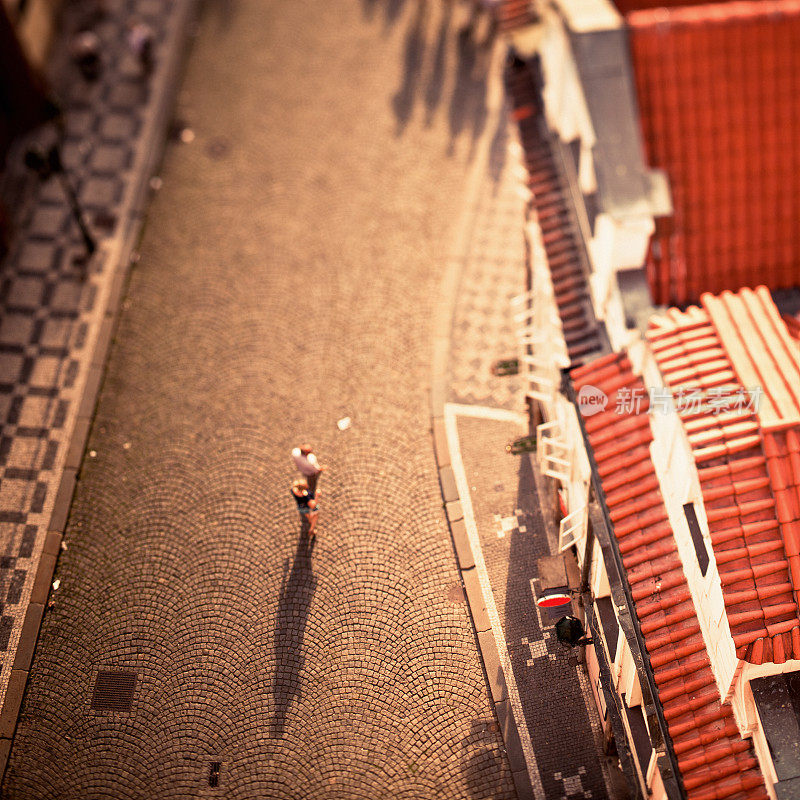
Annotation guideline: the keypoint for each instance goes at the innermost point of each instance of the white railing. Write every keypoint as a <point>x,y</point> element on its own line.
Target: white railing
<point>552,452</point>
<point>572,529</point>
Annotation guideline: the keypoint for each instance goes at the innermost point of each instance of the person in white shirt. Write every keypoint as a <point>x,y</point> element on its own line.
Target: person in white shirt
<point>307,465</point>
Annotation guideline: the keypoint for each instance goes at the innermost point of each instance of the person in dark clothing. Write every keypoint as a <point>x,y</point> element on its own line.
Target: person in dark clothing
<point>306,504</point>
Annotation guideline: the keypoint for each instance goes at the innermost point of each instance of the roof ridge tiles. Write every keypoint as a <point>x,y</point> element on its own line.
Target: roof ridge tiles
<point>596,364</point>
<point>713,754</point>
<point>626,425</point>
<point>738,487</point>
<point>734,465</point>
<point>647,552</point>
<point>672,618</point>
<point>716,713</point>
<point>728,730</point>
<point>687,687</point>
<point>760,592</point>
<point>696,645</point>
<point>671,637</point>
<point>681,670</point>
<point>643,518</point>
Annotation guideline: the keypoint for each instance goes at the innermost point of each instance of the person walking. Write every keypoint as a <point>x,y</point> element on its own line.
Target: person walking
<point>306,462</point>
<point>306,504</point>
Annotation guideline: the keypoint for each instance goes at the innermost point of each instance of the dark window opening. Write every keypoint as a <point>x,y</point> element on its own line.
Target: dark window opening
<point>697,537</point>
<point>641,736</point>
<point>608,623</point>
<point>592,209</point>
<point>778,702</point>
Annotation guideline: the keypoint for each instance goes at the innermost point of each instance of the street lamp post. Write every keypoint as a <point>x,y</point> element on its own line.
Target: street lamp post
<point>48,163</point>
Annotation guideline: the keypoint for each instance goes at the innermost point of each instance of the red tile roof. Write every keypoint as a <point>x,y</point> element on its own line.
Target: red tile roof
<point>719,93</point>
<point>626,6</point>
<point>792,325</point>
<point>746,461</point>
<point>550,206</point>
<point>715,762</point>
<point>513,14</point>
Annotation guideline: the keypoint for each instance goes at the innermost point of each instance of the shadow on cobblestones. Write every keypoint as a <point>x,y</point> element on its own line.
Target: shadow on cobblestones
<point>468,101</point>
<point>413,57</point>
<point>428,48</point>
<point>297,591</point>
<point>482,757</point>
<point>433,94</point>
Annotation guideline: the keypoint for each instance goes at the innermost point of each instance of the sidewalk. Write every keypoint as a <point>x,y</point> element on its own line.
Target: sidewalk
<point>57,323</point>
<point>540,690</point>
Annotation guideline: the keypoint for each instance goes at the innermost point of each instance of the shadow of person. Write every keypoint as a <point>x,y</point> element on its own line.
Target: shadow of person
<point>392,12</point>
<point>297,591</point>
<point>433,92</point>
<point>413,56</point>
<point>468,100</point>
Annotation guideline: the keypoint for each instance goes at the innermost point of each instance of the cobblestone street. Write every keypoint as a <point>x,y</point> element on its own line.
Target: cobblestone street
<point>287,279</point>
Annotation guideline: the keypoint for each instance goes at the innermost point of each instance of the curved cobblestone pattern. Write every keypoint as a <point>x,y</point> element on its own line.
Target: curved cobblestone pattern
<point>281,287</point>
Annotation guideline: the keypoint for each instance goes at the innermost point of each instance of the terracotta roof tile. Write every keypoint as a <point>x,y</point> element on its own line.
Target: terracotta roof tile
<point>722,127</point>
<point>713,759</point>
<point>751,500</point>
<point>513,14</point>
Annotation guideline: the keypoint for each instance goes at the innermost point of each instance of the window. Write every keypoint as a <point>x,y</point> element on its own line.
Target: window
<point>697,537</point>
<point>609,624</point>
<point>641,736</point>
<point>778,702</point>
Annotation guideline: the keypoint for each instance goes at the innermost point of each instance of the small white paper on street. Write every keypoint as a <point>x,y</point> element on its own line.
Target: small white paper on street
<point>343,424</point>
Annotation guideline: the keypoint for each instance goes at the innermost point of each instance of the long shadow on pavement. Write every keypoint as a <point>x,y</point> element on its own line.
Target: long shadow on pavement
<point>413,57</point>
<point>297,592</point>
<point>468,100</point>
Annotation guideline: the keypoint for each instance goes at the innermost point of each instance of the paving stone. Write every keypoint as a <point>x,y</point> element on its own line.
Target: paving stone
<point>16,329</point>
<point>477,604</point>
<point>37,256</point>
<point>110,158</point>
<point>338,670</point>
<point>25,292</point>
<point>493,666</point>
<point>48,221</point>
<point>448,481</point>
<point>101,192</point>
<point>454,511</point>
<point>463,549</point>
<point>128,95</point>
<point>117,127</point>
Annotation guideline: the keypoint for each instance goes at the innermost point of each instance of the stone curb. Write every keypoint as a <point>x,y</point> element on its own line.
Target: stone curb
<point>152,147</point>
<point>484,637</point>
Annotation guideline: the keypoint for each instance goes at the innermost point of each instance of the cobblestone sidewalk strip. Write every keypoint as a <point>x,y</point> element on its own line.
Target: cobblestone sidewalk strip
<point>500,489</point>
<point>57,322</point>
